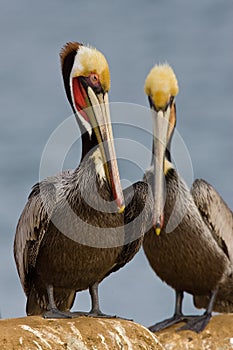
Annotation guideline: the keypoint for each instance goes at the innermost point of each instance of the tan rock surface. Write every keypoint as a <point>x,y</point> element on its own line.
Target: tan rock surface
<point>84,333</point>
<point>218,335</point>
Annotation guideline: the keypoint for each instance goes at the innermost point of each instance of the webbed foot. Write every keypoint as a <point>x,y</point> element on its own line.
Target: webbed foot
<point>196,323</point>
<point>55,313</point>
<point>167,323</point>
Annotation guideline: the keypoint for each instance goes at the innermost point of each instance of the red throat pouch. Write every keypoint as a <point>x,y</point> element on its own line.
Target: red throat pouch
<point>80,98</point>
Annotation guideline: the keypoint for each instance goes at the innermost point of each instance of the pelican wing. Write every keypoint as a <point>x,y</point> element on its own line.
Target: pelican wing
<point>33,224</point>
<point>216,214</point>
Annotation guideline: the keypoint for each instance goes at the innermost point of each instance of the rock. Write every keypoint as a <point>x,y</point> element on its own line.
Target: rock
<point>218,335</point>
<point>83,333</point>
<point>87,333</point>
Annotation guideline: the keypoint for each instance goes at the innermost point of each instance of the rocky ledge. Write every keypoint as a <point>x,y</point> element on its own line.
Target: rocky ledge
<point>84,333</point>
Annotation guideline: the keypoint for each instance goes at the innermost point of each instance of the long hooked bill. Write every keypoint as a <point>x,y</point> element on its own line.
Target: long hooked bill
<point>101,123</point>
<point>160,125</point>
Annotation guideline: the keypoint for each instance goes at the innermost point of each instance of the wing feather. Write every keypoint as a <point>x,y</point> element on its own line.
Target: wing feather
<point>33,224</point>
<point>216,214</point>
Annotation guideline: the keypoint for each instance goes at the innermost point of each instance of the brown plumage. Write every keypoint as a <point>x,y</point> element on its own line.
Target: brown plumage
<point>68,48</point>
<point>72,232</point>
<point>190,246</point>
<point>219,219</point>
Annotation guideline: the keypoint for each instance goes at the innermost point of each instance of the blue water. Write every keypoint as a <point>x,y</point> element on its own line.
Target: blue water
<point>194,37</point>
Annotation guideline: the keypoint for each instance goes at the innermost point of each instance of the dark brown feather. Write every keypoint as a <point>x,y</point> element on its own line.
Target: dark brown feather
<point>188,258</point>
<point>67,49</point>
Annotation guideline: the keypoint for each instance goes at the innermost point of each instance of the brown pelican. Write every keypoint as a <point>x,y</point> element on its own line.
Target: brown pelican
<point>71,233</point>
<point>197,256</point>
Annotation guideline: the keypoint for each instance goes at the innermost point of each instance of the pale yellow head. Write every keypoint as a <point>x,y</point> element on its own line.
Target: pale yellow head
<point>88,60</point>
<point>161,84</point>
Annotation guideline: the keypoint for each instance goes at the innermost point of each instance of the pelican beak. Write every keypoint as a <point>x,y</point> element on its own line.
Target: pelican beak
<point>99,116</point>
<point>160,140</point>
<point>93,106</point>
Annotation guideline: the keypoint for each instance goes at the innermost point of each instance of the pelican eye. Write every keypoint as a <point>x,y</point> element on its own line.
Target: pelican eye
<point>169,104</point>
<point>150,101</point>
<point>94,82</point>
<point>94,79</point>
<point>171,100</point>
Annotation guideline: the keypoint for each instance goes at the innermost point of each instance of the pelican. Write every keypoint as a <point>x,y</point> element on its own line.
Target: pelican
<point>197,256</point>
<point>73,230</point>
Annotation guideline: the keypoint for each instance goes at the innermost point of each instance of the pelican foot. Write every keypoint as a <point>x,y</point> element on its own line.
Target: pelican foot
<point>96,314</point>
<point>167,323</point>
<point>55,313</point>
<point>76,314</point>
<point>196,323</point>
<point>100,314</point>
<point>111,316</point>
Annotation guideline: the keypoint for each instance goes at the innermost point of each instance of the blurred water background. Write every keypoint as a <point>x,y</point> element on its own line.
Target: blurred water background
<point>194,37</point>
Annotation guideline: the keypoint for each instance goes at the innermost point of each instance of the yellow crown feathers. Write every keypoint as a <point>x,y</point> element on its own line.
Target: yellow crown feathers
<point>161,84</point>
<point>87,60</point>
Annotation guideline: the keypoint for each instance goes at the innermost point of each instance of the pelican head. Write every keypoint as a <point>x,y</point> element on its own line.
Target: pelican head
<point>86,79</point>
<point>161,87</point>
